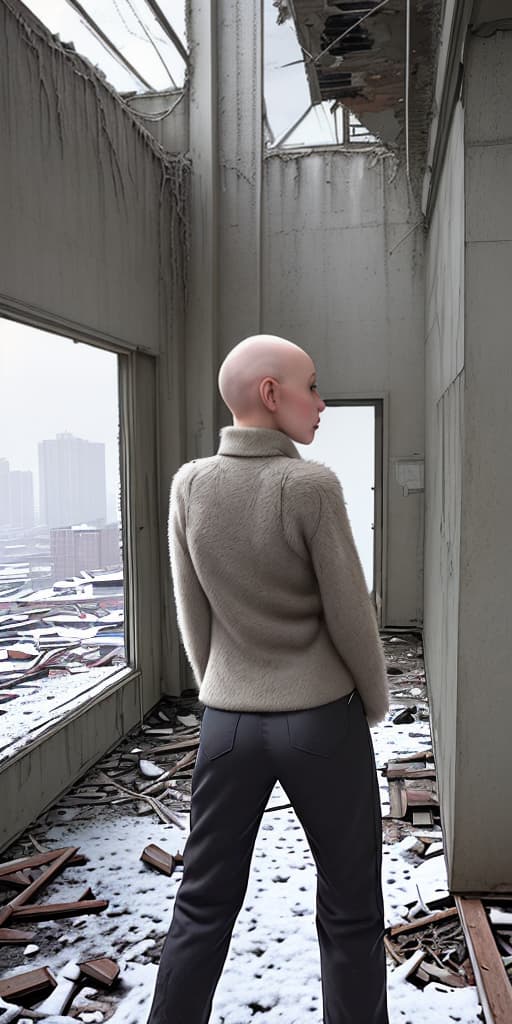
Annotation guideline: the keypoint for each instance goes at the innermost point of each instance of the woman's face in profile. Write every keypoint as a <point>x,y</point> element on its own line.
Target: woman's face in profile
<point>300,404</point>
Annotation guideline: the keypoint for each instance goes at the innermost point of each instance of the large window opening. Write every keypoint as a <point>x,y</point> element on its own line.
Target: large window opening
<point>61,537</point>
<point>349,442</point>
<point>301,110</point>
<point>140,45</point>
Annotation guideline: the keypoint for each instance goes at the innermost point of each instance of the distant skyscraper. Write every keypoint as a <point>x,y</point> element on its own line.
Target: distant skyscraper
<point>21,498</point>
<point>72,481</point>
<point>75,548</point>
<point>5,512</point>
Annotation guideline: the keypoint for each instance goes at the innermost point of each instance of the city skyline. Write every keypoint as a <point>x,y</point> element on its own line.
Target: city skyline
<point>72,481</point>
<point>53,385</point>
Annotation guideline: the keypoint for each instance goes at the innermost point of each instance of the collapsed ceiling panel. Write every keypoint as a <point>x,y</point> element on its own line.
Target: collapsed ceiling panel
<point>357,53</point>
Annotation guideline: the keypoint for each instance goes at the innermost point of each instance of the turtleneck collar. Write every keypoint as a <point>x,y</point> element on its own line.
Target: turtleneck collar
<point>255,441</point>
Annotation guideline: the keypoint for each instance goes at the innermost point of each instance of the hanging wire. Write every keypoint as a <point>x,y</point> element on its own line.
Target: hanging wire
<point>168,28</point>
<point>157,115</point>
<point>151,41</point>
<point>348,30</point>
<point>100,35</point>
<point>122,18</point>
<point>314,60</point>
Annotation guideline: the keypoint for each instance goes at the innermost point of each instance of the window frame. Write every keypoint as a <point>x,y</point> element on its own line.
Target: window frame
<point>49,763</point>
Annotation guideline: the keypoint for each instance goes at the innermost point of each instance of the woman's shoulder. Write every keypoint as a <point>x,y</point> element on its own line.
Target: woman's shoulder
<point>308,474</point>
<point>184,476</point>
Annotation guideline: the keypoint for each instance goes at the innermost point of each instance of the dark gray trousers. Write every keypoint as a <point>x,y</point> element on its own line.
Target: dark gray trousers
<point>323,757</point>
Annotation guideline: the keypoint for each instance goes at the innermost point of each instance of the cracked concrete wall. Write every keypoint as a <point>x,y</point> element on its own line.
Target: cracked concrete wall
<point>299,247</point>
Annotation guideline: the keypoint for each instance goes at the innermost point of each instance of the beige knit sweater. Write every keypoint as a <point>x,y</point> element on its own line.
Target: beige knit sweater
<point>271,600</point>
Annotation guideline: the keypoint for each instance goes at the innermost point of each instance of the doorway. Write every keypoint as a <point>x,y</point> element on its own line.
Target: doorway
<point>349,442</point>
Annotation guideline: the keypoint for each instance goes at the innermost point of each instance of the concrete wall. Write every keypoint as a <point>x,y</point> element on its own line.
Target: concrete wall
<point>485,693</point>
<point>301,247</point>
<point>341,278</point>
<point>444,400</point>
<point>32,780</point>
<point>165,116</point>
<point>85,196</point>
<point>469,486</point>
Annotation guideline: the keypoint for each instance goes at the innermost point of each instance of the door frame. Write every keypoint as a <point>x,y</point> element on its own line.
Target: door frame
<point>379,404</point>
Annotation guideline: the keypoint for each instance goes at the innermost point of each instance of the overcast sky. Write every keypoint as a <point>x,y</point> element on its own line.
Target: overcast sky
<point>51,385</point>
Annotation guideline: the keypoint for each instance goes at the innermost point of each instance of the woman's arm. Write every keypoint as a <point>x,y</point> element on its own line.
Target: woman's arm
<point>192,606</point>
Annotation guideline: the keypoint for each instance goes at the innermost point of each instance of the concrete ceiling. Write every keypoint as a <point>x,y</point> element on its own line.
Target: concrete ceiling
<point>365,69</point>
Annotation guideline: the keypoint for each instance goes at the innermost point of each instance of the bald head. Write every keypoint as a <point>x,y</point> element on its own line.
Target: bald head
<point>249,363</point>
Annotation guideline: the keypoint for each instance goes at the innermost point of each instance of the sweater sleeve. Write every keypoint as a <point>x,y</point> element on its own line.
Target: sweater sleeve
<point>192,605</point>
<point>348,611</point>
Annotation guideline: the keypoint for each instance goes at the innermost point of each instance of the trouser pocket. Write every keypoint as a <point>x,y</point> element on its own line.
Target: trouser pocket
<point>218,732</point>
<point>321,730</point>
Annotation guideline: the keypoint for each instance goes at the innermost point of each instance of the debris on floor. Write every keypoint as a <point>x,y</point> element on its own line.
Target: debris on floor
<point>160,859</point>
<point>19,874</point>
<point>485,926</point>
<point>121,815</point>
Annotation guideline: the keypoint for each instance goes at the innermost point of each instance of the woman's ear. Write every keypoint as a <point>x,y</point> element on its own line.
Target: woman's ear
<point>268,393</point>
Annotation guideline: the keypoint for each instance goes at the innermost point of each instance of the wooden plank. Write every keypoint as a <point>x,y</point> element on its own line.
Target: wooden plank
<point>17,880</point>
<point>14,936</point>
<point>49,911</point>
<point>102,969</point>
<point>423,922</point>
<point>27,984</point>
<point>170,747</point>
<point>422,755</point>
<point>492,981</point>
<point>165,815</point>
<point>35,861</point>
<point>397,799</point>
<point>44,878</point>
<point>420,798</point>
<point>158,858</point>
<point>406,772</point>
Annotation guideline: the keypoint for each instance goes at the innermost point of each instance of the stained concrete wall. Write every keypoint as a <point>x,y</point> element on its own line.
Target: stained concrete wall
<point>85,196</point>
<point>301,247</point>
<point>444,401</point>
<point>468,487</point>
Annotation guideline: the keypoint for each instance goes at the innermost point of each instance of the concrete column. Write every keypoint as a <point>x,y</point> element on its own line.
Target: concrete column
<point>226,150</point>
<point>201,332</point>
<point>240,117</point>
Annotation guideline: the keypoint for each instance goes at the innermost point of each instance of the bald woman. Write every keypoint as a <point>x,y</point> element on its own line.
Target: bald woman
<point>277,623</point>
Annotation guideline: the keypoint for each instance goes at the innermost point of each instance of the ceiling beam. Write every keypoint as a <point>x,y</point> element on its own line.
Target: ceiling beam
<point>168,29</point>
<point>108,42</point>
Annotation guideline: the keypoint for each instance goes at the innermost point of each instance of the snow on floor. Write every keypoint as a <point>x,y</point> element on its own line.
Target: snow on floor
<point>39,702</point>
<point>272,974</point>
